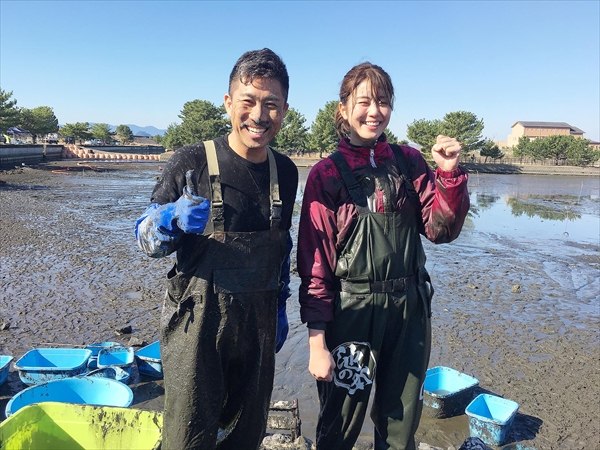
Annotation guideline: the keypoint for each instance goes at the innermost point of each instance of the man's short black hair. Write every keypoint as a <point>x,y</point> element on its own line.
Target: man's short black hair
<point>263,63</point>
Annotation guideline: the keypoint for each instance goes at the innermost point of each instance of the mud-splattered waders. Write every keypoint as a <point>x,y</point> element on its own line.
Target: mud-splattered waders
<point>381,331</point>
<point>218,331</point>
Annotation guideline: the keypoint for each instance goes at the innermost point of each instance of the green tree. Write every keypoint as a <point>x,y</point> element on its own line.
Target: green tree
<point>79,130</point>
<point>39,121</point>
<point>158,139</point>
<point>424,132</point>
<point>580,153</point>
<point>576,151</point>
<point>521,150</point>
<point>391,137</point>
<point>323,135</point>
<point>466,128</point>
<point>557,146</point>
<point>173,138</point>
<point>202,121</point>
<point>491,150</point>
<point>9,112</point>
<point>538,149</point>
<point>102,131</point>
<point>124,134</point>
<point>293,134</point>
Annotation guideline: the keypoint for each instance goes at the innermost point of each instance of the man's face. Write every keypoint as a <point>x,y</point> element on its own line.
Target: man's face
<point>256,110</point>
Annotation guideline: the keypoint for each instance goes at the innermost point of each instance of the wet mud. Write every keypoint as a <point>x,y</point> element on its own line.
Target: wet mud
<point>521,317</point>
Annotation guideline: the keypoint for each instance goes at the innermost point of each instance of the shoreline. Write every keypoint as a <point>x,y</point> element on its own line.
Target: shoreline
<point>498,168</point>
<point>11,156</point>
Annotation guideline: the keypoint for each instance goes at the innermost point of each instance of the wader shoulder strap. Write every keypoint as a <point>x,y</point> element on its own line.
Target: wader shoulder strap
<point>276,204</point>
<point>356,192</point>
<point>216,205</point>
<point>410,187</point>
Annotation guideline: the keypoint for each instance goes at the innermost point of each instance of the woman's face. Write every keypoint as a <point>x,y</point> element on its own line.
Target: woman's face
<point>367,116</point>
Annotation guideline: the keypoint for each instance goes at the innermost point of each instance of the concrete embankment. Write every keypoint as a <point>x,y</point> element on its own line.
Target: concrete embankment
<point>31,154</point>
<point>28,154</point>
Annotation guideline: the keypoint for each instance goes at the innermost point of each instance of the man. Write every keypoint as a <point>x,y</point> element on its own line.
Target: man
<point>224,312</point>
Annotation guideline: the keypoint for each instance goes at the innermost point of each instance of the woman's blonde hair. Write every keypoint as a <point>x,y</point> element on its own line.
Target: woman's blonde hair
<point>381,87</point>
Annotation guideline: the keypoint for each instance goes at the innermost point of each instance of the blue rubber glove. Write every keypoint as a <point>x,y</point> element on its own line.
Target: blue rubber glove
<point>150,239</point>
<point>282,321</point>
<point>191,212</point>
<point>183,215</point>
<point>159,229</point>
<point>188,214</point>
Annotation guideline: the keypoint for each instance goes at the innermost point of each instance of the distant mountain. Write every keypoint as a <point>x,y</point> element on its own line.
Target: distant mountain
<point>145,131</point>
<point>148,131</point>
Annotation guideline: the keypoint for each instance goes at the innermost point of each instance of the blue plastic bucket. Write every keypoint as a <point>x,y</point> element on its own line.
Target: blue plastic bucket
<point>491,418</point>
<point>447,392</point>
<point>122,357</point>
<point>148,360</point>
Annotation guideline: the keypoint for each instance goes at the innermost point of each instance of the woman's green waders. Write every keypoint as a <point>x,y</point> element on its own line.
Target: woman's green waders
<point>218,333</point>
<point>381,332</point>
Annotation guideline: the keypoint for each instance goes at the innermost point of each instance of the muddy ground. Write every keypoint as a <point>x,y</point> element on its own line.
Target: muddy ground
<point>522,319</point>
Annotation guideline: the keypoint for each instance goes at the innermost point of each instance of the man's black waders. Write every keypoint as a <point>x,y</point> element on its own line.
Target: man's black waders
<point>381,331</point>
<point>218,331</point>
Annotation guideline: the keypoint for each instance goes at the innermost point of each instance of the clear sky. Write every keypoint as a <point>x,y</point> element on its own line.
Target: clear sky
<point>138,62</point>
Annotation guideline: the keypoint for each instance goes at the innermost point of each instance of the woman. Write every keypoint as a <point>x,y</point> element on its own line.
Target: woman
<point>365,294</point>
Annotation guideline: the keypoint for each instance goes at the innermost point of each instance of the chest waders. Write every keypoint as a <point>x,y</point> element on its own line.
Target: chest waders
<point>381,331</point>
<point>218,331</point>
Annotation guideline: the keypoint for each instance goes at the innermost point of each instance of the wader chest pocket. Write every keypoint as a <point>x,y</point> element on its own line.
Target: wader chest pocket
<point>347,300</point>
<point>177,284</point>
<point>247,279</point>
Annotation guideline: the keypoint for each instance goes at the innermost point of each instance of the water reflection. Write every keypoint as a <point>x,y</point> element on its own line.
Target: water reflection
<point>555,211</point>
<point>536,207</point>
<point>485,201</point>
<point>482,202</point>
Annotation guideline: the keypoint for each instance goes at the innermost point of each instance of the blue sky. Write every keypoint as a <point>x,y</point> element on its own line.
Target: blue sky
<point>138,62</point>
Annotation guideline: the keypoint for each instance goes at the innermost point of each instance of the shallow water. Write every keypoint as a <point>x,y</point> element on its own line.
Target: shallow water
<point>537,208</point>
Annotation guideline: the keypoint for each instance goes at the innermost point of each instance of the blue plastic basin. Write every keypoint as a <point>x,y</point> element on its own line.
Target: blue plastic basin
<point>491,418</point>
<point>82,390</point>
<point>95,348</point>
<point>47,364</point>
